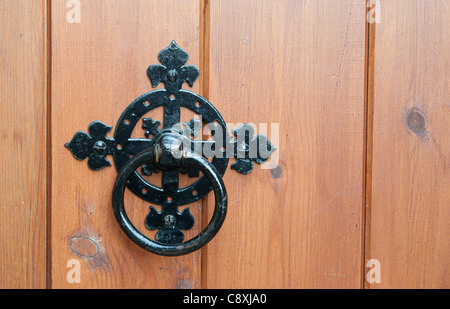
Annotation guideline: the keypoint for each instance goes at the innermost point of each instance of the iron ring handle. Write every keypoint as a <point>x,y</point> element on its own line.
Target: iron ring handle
<point>187,158</point>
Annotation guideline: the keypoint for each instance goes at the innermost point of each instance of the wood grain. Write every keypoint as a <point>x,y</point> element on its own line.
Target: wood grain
<point>23,163</point>
<point>410,218</point>
<point>296,64</point>
<point>98,68</point>
<point>368,145</point>
<point>299,64</point>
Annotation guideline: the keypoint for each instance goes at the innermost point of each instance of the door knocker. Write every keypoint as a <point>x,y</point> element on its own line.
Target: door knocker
<point>170,148</point>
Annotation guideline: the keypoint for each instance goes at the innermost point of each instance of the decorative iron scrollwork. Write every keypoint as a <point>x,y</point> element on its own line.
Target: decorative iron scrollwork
<point>244,146</point>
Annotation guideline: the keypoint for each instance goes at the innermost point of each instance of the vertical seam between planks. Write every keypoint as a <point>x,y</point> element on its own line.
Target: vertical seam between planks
<point>368,146</point>
<point>204,92</point>
<point>48,46</point>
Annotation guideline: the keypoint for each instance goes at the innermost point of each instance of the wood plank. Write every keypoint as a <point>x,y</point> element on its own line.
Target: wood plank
<point>410,218</point>
<point>99,67</point>
<point>368,146</point>
<point>299,64</point>
<point>23,164</point>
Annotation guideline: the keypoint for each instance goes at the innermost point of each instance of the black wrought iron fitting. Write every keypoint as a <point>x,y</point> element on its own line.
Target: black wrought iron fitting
<point>170,147</point>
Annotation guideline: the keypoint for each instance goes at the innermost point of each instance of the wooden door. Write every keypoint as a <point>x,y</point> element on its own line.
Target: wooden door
<point>115,60</point>
<point>23,125</point>
<point>300,65</point>
<point>409,197</point>
<point>356,110</point>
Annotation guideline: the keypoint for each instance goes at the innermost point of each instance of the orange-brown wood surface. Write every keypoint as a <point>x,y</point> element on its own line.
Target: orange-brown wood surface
<point>409,217</point>
<point>358,113</point>
<point>23,163</point>
<point>299,64</point>
<point>98,68</point>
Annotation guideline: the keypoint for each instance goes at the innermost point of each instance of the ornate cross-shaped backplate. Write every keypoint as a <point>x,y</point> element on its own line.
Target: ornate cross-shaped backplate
<point>244,146</point>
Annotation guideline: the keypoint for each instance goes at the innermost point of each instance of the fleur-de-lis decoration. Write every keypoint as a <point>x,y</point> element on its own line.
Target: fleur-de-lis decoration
<point>169,222</point>
<point>95,145</point>
<point>150,126</point>
<point>192,128</point>
<point>173,72</point>
<point>249,148</point>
